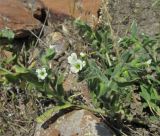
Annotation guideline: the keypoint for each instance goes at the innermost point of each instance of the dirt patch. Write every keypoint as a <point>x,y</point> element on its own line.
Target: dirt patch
<point>123,12</point>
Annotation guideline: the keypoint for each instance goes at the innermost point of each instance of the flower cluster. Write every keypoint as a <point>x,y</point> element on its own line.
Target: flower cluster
<point>75,63</point>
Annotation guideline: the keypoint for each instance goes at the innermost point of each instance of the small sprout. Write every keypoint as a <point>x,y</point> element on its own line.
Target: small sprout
<point>41,73</point>
<point>76,64</point>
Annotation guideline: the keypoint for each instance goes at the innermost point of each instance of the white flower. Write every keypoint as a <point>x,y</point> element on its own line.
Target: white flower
<point>72,59</point>
<point>41,73</point>
<point>149,62</point>
<point>82,54</point>
<point>77,66</point>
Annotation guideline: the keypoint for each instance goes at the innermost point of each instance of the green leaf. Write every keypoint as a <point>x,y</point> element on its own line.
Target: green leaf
<point>10,59</point>
<point>4,71</point>
<point>7,33</point>
<point>47,56</point>
<point>156,2</point>
<point>32,78</point>
<point>154,94</point>
<point>126,56</point>
<point>144,93</point>
<point>12,77</point>
<point>150,77</point>
<point>102,89</point>
<point>19,69</point>
<point>134,29</point>
<point>49,113</point>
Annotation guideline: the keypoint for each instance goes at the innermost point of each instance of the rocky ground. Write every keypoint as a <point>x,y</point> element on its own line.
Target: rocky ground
<point>50,24</point>
<point>143,11</point>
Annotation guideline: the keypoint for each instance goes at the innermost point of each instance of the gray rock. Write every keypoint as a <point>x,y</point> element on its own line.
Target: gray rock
<point>57,41</point>
<point>76,123</point>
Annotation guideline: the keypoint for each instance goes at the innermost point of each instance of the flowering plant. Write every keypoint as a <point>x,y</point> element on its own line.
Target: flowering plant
<point>75,63</point>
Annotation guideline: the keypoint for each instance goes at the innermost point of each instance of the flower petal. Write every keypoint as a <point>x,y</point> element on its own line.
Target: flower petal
<point>42,77</point>
<point>79,63</point>
<point>74,69</point>
<point>72,59</point>
<point>84,63</point>
<point>43,70</point>
<point>74,55</point>
<point>38,70</point>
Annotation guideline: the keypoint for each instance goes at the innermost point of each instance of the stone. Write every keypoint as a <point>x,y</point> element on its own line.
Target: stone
<point>36,7</point>
<point>15,16</point>
<point>123,12</point>
<point>56,41</point>
<point>61,10</point>
<point>76,123</point>
<point>71,83</point>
